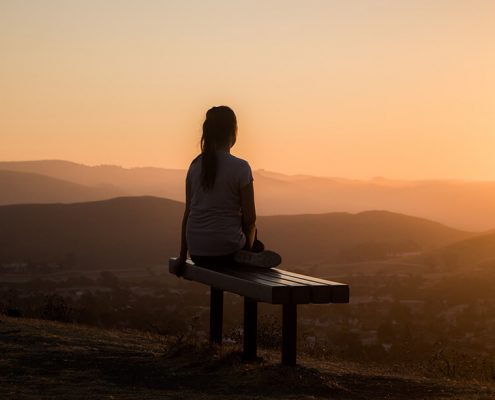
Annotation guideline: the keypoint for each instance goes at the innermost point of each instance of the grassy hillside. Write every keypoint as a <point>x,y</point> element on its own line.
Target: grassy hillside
<point>47,360</point>
<point>25,187</point>
<point>142,231</point>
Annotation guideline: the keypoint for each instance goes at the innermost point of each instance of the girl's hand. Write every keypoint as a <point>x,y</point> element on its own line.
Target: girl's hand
<point>179,266</point>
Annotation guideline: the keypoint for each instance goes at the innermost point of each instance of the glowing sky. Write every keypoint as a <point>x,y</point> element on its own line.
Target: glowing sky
<point>402,89</point>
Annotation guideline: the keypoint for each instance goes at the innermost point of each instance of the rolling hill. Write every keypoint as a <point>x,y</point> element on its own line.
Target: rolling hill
<point>113,233</point>
<point>26,187</point>
<point>142,231</point>
<point>150,181</point>
<point>349,237</point>
<point>465,205</point>
<point>477,251</point>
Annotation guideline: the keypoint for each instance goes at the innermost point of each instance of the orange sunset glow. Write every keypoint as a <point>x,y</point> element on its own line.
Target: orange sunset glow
<point>233,199</point>
<point>401,89</point>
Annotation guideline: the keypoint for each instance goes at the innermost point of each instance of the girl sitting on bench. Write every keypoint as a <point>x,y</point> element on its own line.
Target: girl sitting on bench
<point>218,227</point>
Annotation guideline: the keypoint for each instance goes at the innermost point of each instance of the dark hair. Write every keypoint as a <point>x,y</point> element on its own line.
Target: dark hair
<point>219,130</point>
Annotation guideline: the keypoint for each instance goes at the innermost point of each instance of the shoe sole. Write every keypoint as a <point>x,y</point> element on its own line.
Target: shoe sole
<point>263,259</point>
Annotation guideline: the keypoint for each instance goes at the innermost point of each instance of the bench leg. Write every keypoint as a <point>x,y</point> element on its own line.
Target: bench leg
<point>289,334</point>
<point>250,329</point>
<point>216,315</point>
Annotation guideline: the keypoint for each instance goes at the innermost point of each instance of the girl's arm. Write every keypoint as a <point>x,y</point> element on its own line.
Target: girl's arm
<point>248,214</point>
<point>183,241</point>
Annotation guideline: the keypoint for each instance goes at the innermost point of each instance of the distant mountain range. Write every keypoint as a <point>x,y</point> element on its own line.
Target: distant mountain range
<point>465,205</point>
<point>143,231</point>
<point>26,187</point>
<point>168,183</point>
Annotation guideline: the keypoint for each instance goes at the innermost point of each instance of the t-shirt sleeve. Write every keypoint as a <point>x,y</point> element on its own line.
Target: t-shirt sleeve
<point>189,171</point>
<point>246,175</point>
<point>188,176</point>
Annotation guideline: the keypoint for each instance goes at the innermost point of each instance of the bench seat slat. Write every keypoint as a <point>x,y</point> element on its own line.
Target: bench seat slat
<point>300,292</point>
<point>252,275</point>
<point>259,291</point>
<point>268,285</point>
<point>306,277</point>
<point>320,293</point>
<point>339,292</point>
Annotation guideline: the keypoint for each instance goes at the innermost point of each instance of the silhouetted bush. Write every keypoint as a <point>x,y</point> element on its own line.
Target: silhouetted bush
<point>269,331</point>
<point>13,312</point>
<point>56,308</point>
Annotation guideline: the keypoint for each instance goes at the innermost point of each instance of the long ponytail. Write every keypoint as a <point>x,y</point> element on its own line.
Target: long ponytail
<point>219,130</point>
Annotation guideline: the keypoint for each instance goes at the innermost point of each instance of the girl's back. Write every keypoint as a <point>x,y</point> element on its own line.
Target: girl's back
<point>214,226</point>
<point>218,227</point>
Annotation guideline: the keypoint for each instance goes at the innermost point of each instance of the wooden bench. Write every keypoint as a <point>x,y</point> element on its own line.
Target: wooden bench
<point>273,286</point>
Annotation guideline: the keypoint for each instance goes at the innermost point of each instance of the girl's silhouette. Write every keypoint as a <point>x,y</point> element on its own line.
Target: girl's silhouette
<point>218,227</point>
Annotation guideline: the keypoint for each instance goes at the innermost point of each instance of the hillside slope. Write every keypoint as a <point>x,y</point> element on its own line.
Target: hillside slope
<point>127,231</point>
<point>47,360</point>
<point>475,251</point>
<point>142,231</point>
<point>353,237</point>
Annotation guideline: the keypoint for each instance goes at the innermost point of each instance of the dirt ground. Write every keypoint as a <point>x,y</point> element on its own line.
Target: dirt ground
<point>48,360</point>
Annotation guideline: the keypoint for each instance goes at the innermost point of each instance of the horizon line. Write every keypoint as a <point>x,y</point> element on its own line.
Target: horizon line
<point>297,175</point>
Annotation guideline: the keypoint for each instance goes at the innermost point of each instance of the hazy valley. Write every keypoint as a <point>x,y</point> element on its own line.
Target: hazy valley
<point>467,205</point>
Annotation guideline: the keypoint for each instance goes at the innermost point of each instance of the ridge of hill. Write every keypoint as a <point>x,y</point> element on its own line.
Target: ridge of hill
<point>468,205</point>
<point>26,187</point>
<point>143,231</point>
<point>137,231</point>
<point>46,360</point>
<point>140,181</point>
<point>372,234</point>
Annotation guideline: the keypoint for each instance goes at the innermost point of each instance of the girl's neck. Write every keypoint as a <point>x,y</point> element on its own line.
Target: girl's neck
<point>224,148</point>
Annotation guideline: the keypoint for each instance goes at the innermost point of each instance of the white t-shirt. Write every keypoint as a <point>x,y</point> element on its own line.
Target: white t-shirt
<point>214,225</point>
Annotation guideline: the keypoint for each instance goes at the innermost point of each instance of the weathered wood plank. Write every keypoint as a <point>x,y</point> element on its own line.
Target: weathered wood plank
<point>255,277</point>
<point>268,285</point>
<point>340,291</point>
<point>320,293</point>
<point>300,293</point>
<point>256,290</point>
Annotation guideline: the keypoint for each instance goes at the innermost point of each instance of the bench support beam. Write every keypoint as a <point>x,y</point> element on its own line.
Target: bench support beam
<point>216,315</point>
<point>250,328</point>
<point>289,334</point>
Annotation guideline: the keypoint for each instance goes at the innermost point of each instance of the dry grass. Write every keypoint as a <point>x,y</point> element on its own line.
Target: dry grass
<point>49,360</point>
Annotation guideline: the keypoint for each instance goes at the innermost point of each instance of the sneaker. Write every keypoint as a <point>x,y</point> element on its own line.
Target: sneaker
<point>263,259</point>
